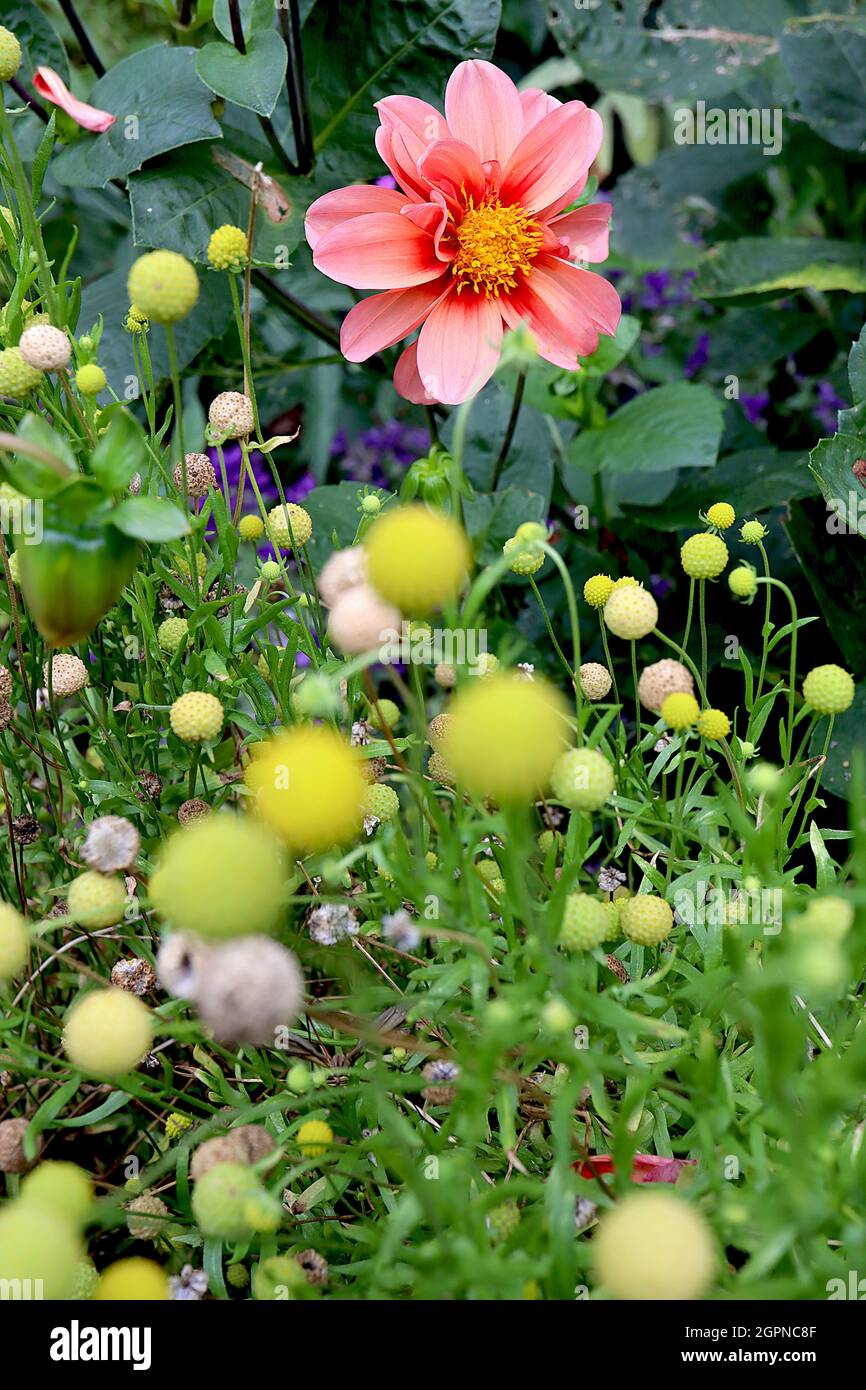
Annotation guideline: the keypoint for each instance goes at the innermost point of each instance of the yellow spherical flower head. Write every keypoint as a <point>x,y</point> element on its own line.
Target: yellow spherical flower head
<point>314,1138</point>
<point>38,1245</point>
<point>753,532</point>
<point>308,786</point>
<point>62,1187</point>
<point>743,581</point>
<point>646,919</point>
<point>704,556</point>
<point>107,1033</point>
<point>597,590</point>
<point>289,526</point>
<point>136,321</point>
<point>582,779</point>
<point>631,612</point>
<point>417,558</point>
<point>713,724</point>
<point>230,1203</point>
<point>135,1280</point>
<point>653,1245</point>
<point>10,54</point>
<point>524,548</point>
<point>680,711</point>
<point>96,900</point>
<point>17,377</point>
<point>14,942</point>
<point>250,527</point>
<point>505,735</point>
<point>90,379</point>
<point>722,515</point>
<point>228,248</point>
<point>163,285</point>
<point>196,716</point>
<point>828,689</point>
<point>220,876</point>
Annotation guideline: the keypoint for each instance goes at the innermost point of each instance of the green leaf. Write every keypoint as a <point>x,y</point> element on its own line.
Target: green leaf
<point>826,62</point>
<point>150,519</point>
<point>492,517</point>
<point>857,368</point>
<point>384,48</point>
<point>41,45</point>
<point>255,14</point>
<point>774,265</point>
<point>832,563</point>
<point>676,426</point>
<point>159,103</point>
<point>847,737</point>
<point>177,202</point>
<point>119,453</point>
<point>558,392</point>
<point>832,463</point>
<point>107,296</point>
<point>253,79</point>
<point>684,54</point>
<point>756,479</point>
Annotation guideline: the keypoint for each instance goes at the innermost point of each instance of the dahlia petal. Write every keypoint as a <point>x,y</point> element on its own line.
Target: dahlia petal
<point>432,218</point>
<point>54,89</point>
<point>536,104</point>
<point>408,126</point>
<point>378,251</point>
<point>551,157</point>
<point>382,320</point>
<point>482,107</point>
<point>356,200</point>
<point>586,231</point>
<point>454,169</point>
<point>407,382</point>
<point>566,308</point>
<point>458,346</point>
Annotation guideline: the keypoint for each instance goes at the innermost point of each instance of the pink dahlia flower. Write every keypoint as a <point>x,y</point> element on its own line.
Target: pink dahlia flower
<point>476,238</point>
<point>52,87</point>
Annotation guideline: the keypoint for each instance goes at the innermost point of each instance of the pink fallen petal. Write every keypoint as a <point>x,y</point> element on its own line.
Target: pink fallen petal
<point>454,169</point>
<point>645,1167</point>
<point>54,89</point>
<point>356,200</point>
<point>458,346</point>
<point>382,320</point>
<point>379,251</point>
<point>407,382</point>
<point>482,107</point>
<point>586,232</point>
<point>552,157</point>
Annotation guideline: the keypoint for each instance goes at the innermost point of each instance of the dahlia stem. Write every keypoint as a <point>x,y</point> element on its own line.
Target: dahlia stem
<point>296,86</point>
<point>25,96</point>
<point>509,431</point>
<point>310,320</point>
<point>265,122</point>
<point>83,37</point>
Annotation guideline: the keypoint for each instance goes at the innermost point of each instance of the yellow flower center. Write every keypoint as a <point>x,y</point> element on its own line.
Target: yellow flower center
<point>495,242</point>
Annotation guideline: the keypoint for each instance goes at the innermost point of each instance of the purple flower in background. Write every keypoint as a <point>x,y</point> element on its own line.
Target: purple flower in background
<point>261,470</point>
<point>379,455</point>
<point>754,406</point>
<point>699,356</point>
<point>301,488</point>
<point>659,586</point>
<point>829,403</point>
<point>386,181</point>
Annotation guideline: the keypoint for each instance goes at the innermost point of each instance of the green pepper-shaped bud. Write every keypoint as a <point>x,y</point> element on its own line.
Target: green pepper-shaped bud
<point>74,574</point>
